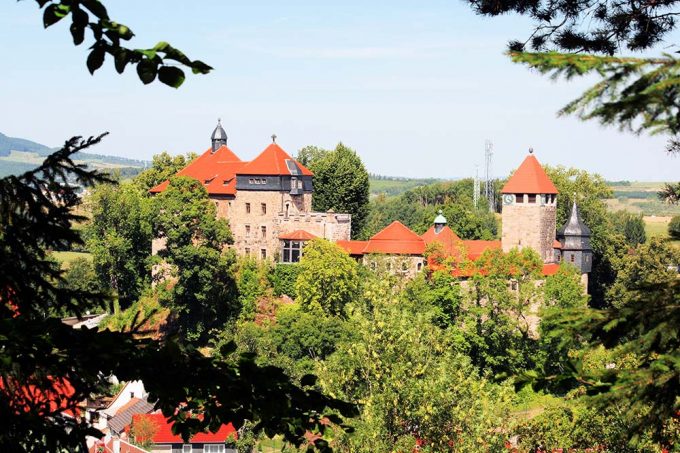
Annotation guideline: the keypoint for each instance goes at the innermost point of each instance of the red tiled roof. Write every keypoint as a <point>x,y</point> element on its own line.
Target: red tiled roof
<point>353,247</point>
<point>59,398</point>
<point>475,248</point>
<point>445,237</point>
<point>396,239</point>
<point>297,235</point>
<point>164,435</point>
<point>272,161</point>
<point>216,171</point>
<point>530,178</point>
<point>557,244</point>
<point>550,269</point>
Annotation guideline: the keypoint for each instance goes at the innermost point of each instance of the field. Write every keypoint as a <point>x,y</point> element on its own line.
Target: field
<point>640,198</point>
<point>17,162</point>
<point>66,258</point>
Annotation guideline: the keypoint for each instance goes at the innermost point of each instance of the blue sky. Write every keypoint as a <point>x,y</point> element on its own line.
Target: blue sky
<point>415,87</point>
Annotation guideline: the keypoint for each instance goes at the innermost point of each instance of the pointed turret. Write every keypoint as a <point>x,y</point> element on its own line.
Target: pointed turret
<point>439,222</point>
<point>575,239</point>
<point>218,137</point>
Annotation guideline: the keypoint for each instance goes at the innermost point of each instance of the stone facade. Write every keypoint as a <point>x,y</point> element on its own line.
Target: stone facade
<point>530,221</point>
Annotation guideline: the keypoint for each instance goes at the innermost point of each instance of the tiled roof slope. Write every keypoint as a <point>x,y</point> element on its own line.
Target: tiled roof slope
<point>272,161</point>
<point>164,435</point>
<point>216,171</point>
<point>124,415</point>
<point>297,235</point>
<point>397,239</point>
<point>530,178</point>
<point>445,237</point>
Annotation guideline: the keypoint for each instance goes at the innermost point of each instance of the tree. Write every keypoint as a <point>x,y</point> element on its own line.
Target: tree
<point>201,288</point>
<point>108,36</point>
<point>674,227</point>
<point>163,167</point>
<point>340,182</point>
<point>46,357</point>
<point>328,279</point>
<point>119,238</point>
<point>632,227</point>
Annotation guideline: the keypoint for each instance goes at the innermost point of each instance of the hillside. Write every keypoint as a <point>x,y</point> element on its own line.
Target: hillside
<point>395,185</point>
<point>18,155</point>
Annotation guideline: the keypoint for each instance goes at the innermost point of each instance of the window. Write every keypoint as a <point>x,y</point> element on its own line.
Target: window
<point>263,229</point>
<point>247,250</point>
<point>186,448</point>
<point>247,208</point>
<point>572,258</point>
<point>519,198</point>
<point>263,254</point>
<point>251,181</point>
<point>263,181</point>
<point>419,266</point>
<point>404,266</point>
<point>287,206</point>
<point>213,448</point>
<point>292,251</point>
<point>263,207</point>
<point>532,198</point>
<point>247,231</point>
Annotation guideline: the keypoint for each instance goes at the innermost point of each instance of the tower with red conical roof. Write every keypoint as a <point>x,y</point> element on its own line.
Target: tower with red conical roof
<point>529,210</point>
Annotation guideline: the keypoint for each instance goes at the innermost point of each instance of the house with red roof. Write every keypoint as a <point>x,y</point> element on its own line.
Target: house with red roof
<point>268,200</point>
<point>157,430</point>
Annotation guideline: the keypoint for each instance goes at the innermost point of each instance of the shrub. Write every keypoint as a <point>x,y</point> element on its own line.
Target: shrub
<point>285,276</point>
<point>674,227</point>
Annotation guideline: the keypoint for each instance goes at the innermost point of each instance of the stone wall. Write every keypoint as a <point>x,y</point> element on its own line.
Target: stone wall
<point>530,225</point>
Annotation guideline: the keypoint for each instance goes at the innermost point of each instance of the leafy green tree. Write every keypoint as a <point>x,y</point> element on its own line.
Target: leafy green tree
<point>442,292</point>
<point>81,276</point>
<point>109,35</point>
<point>590,192</point>
<point>41,354</point>
<point>674,227</point>
<point>285,276</point>
<point>119,238</point>
<point>328,279</point>
<point>163,167</point>
<point>670,193</point>
<point>252,283</point>
<point>411,384</point>
<point>200,283</point>
<point>340,182</point>
<point>632,226</point>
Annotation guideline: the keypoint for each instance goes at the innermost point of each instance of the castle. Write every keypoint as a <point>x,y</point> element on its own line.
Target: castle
<point>268,204</point>
<point>267,201</point>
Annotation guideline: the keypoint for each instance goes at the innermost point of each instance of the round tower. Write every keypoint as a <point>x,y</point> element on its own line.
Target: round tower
<point>218,137</point>
<point>529,210</point>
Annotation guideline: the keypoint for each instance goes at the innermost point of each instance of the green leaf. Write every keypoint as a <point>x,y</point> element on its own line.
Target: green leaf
<point>121,59</point>
<point>54,13</point>
<point>95,59</point>
<point>146,70</point>
<point>171,76</point>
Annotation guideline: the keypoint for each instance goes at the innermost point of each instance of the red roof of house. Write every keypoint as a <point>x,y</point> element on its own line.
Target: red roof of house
<point>396,239</point>
<point>164,435</point>
<point>445,237</point>
<point>297,235</point>
<point>475,248</point>
<point>353,247</point>
<point>272,161</point>
<point>557,244</point>
<point>216,170</point>
<point>530,178</point>
<point>550,269</point>
<point>60,397</point>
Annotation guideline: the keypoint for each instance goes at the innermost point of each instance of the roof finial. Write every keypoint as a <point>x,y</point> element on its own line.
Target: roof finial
<point>531,150</point>
<point>219,120</point>
<point>273,138</point>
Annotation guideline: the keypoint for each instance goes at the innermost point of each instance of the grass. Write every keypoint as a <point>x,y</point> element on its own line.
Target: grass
<point>266,445</point>
<point>66,258</point>
<point>639,197</point>
<point>658,227</point>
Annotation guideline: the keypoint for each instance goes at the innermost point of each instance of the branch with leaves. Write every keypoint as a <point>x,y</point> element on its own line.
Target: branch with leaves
<point>161,60</point>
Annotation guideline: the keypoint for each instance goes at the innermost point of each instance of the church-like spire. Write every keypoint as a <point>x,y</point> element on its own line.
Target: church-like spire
<point>575,239</point>
<point>575,225</point>
<point>218,137</point>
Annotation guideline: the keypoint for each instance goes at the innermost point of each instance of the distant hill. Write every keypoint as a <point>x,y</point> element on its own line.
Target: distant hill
<point>9,144</point>
<point>395,185</point>
<point>18,155</point>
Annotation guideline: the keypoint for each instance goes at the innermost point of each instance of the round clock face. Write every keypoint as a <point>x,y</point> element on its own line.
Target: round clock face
<point>508,199</point>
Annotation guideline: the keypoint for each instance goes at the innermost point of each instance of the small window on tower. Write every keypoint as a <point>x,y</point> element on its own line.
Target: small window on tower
<point>263,207</point>
<point>519,198</point>
<point>532,198</point>
<point>263,229</point>
<point>572,258</point>
<point>247,208</point>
